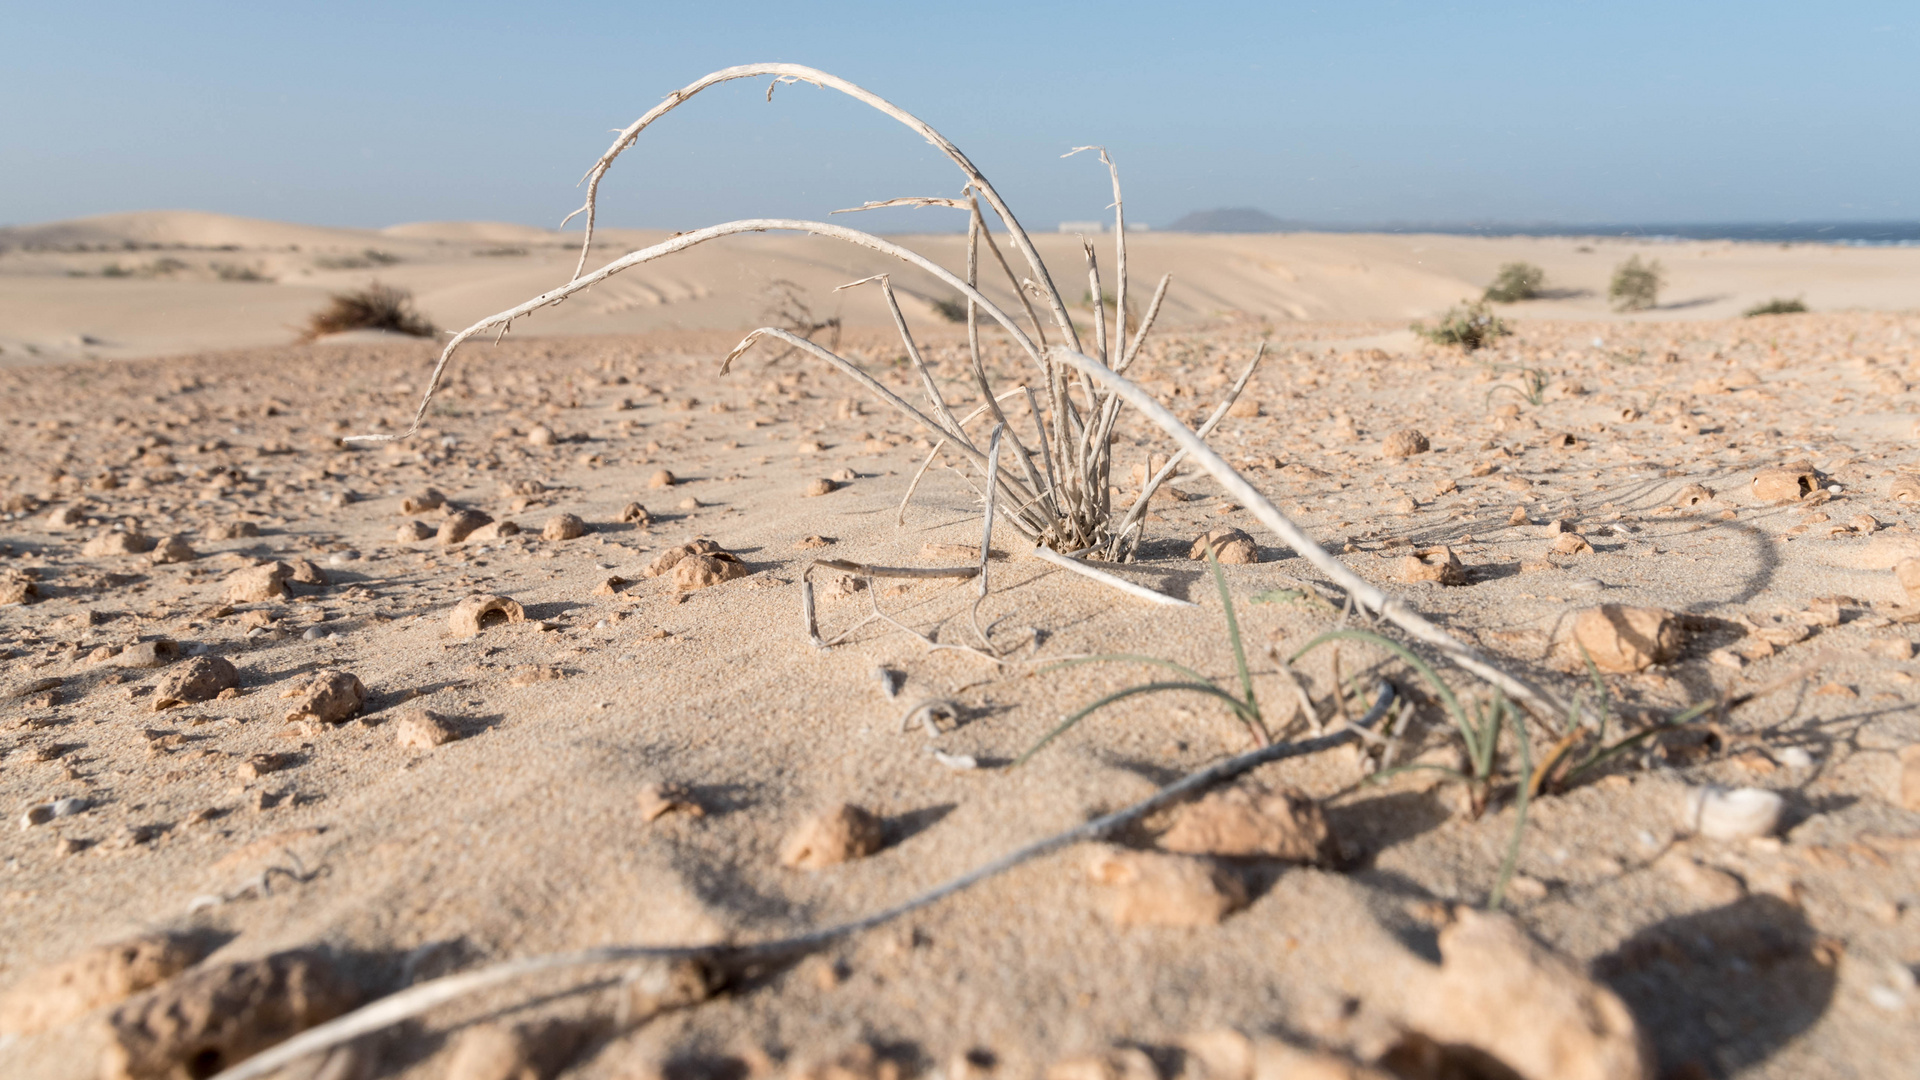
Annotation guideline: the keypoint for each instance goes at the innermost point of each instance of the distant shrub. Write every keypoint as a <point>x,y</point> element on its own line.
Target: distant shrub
<point>365,259</point>
<point>500,252</point>
<point>950,310</point>
<point>1776,306</point>
<point>236,272</point>
<point>116,270</point>
<point>376,307</point>
<point>1636,285</point>
<point>1515,282</point>
<point>1468,325</point>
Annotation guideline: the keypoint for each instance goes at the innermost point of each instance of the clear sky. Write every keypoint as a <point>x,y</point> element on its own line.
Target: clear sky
<point>347,113</point>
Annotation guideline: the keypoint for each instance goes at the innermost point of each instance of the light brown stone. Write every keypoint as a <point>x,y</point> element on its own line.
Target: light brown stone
<point>634,513</point>
<point>668,559</point>
<point>1909,793</point>
<point>1787,483</point>
<point>817,487</point>
<point>1155,888</point>
<point>420,729</point>
<point>99,976</point>
<point>412,532</point>
<point>172,549</point>
<point>1248,820</point>
<point>327,696</point>
<point>208,1019</point>
<point>1626,639</point>
<point>421,502</point>
<point>563,527</point>
<point>1229,545</point>
<point>477,613</point>
<point>200,678</point>
<point>1405,443</point>
<point>831,837</point>
<point>461,525</point>
<point>702,571</point>
<point>662,479</point>
<point>258,584</point>
<point>1530,1008</point>
<point>1692,495</point>
<point>1433,564</point>
<point>667,796</point>
<point>112,542</point>
<point>1907,572</point>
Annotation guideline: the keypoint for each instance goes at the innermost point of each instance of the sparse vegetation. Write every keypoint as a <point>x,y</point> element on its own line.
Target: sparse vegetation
<point>499,252</point>
<point>1777,306</point>
<point>1469,326</point>
<point>1515,282</point>
<point>236,272</point>
<point>362,261</point>
<point>1532,388</point>
<point>376,307</point>
<point>1636,285</point>
<point>950,310</point>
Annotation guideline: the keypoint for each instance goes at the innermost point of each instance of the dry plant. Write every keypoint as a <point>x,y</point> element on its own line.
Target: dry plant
<point>376,307</point>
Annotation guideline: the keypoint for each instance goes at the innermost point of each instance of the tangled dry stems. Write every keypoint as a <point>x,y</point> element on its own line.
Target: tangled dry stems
<point>376,307</point>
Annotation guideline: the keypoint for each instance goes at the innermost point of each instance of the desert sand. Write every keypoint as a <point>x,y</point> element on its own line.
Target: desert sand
<point>170,296</point>
<point>1643,941</point>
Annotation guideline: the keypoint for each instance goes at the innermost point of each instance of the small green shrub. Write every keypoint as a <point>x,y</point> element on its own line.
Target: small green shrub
<point>376,307</point>
<point>1515,282</point>
<point>950,310</point>
<point>1777,306</point>
<point>1469,325</point>
<point>236,272</point>
<point>1636,285</point>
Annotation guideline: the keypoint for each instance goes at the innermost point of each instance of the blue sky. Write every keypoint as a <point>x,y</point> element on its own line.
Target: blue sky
<point>1364,112</point>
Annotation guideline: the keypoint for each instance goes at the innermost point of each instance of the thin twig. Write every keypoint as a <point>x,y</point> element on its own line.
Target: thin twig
<point>1105,578</point>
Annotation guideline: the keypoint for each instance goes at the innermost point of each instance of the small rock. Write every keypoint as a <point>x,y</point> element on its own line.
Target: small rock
<point>1244,407</point>
<point>1788,483</point>
<point>1529,1008</point>
<point>1572,544</point>
<point>540,435</point>
<point>1716,887</point>
<point>532,1050</point>
<point>666,560</point>
<point>17,588</point>
<point>689,503</point>
<point>634,513</point>
<point>200,678</point>
<point>305,572</point>
<point>1732,814</point>
<point>1692,495</point>
<point>1252,820</point>
<point>477,613</point>
<point>702,571</point>
<point>1433,564</point>
<point>1909,793</point>
<point>420,503</point>
<point>662,479</point>
<point>1907,572</point>
<point>1118,1063</point>
<point>258,584</point>
<point>116,543</point>
<point>817,487</point>
<point>65,517</point>
<point>104,975</point>
<point>205,1020</point>
<point>412,532</point>
<point>419,729</point>
<point>149,654</point>
<point>809,542</point>
<point>831,837</point>
<point>1229,546</point>
<point>494,530</point>
<point>563,527</point>
<point>666,796</point>
<point>611,586</point>
<point>172,549</point>
<point>255,766</point>
<point>1158,889</point>
<point>232,530</point>
<point>1623,639</point>
<point>326,696</point>
<point>530,674</point>
<point>1405,443</point>
<point>461,525</point>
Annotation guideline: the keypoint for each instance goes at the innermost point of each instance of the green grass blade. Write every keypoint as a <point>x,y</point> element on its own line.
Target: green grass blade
<point>1239,707</point>
<point>1601,755</point>
<point>1418,766</point>
<point>1233,632</point>
<point>1599,690</point>
<point>1519,817</point>
<point>1421,667</point>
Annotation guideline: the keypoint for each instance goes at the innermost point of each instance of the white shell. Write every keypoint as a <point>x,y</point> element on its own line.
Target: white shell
<point>1732,814</point>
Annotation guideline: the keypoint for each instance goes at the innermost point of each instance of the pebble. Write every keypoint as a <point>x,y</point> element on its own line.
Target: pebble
<point>104,975</point>
<point>1623,639</point>
<point>207,1019</point>
<point>1586,584</point>
<point>1252,820</point>
<point>1732,813</point>
<point>420,729</point>
<point>1152,888</point>
<point>1230,546</point>
<point>477,613</point>
<point>831,837</point>
<point>327,696</point>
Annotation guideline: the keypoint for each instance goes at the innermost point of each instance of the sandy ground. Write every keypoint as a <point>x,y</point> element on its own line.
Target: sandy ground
<point>1790,955</point>
<point>147,284</point>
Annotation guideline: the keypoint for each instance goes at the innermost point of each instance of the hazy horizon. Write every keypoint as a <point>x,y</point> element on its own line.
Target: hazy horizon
<point>1374,114</point>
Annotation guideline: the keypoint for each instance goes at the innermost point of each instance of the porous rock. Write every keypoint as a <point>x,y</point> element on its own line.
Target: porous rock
<point>701,571</point>
<point>563,527</point>
<point>1692,495</point>
<point>477,613</point>
<point>1623,639</point>
<point>668,559</point>
<point>205,1020</point>
<point>305,572</point>
<point>1793,481</point>
<point>326,695</point>
<point>1155,888</point>
<point>200,678</point>
<point>1405,443</point>
<point>661,479</point>
<point>421,729</point>
<point>149,654</point>
<point>65,517</point>
<point>1907,572</point>
<point>818,486</point>
<point>258,584</point>
<point>412,532</point>
<point>831,837</point>
<point>112,542</point>
<point>99,976</point>
<point>1433,564</point>
<point>232,530</point>
<point>635,514</point>
<point>421,502</point>
<point>1530,1008</point>
<point>17,588</point>
<point>1252,820</point>
<point>461,525</point>
<point>1229,546</point>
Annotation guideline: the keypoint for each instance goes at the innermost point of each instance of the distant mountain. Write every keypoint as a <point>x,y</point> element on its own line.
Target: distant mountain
<point>1244,219</point>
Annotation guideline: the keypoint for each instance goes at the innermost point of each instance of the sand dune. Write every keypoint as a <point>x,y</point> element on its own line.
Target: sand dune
<point>151,283</point>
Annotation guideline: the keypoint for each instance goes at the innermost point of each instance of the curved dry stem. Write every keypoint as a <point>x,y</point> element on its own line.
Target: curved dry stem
<point>1364,592</point>
<point>730,959</point>
<point>801,73</point>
